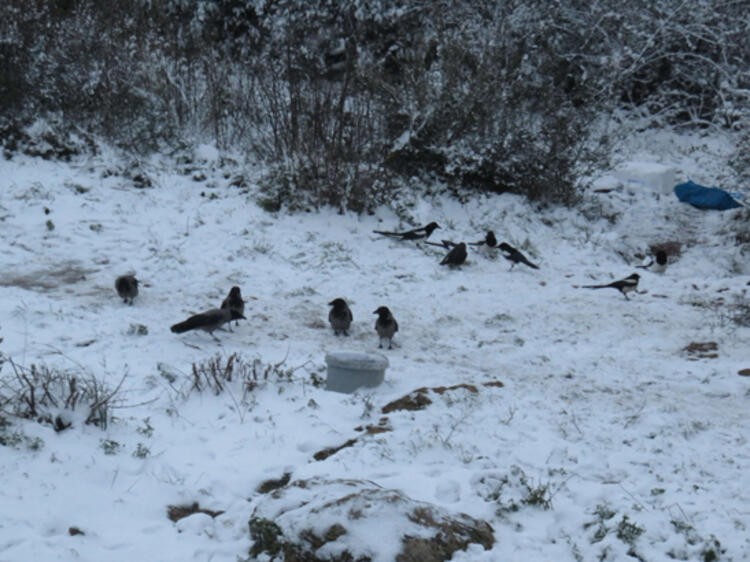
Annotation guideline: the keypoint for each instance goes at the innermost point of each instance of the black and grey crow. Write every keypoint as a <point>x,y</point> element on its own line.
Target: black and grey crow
<point>423,232</point>
<point>489,240</point>
<point>340,316</point>
<point>234,301</point>
<point>514,256</point>
<point>630,283</point>
<point>207,321</point>
<point>127,287</point>
<point>456,256</point>
<point>658,265</point>
<point>385,326</point>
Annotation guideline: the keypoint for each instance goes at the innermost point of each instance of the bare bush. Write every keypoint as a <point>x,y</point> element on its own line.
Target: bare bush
<point>218,374</point>
<point>55,397</point>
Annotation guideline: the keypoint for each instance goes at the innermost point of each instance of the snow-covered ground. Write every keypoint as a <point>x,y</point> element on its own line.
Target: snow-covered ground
<point>635,445</point>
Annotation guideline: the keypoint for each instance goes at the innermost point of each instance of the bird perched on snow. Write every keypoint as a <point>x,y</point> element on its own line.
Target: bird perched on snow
<point>340,316</point>
<point>515,256</point>
<point>625,286</point>
<point>386,326</point>
<point>208,321</point>
<point>456,256</point>
<point>489,240</point>
<point>234,301</point>
<point>127,287</point>
<point>423,232</point>
<point>658,265</point>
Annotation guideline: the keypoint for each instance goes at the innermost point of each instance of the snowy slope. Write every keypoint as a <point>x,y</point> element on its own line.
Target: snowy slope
<point>601,406</point>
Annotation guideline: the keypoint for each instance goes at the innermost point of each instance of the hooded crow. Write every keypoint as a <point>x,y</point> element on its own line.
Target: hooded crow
<point>207,321</point>
<point>514,256</point>
<point>456,256</point>
<point>127,287</point>
<point>234,301</point>
<point>340,317</point>
<point>423,232</point>
<point>659,265</point>
<point>630,283</point>
<point>489,240</point>
<point>385,326</point>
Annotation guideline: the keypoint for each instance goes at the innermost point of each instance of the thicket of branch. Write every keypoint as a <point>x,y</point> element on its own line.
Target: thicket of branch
<point>347,100</point>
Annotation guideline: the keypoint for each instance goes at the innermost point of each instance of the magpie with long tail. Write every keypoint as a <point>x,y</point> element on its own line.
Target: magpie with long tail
<point>515,256</point>
<point>421,233</point>
<point>625,286</point>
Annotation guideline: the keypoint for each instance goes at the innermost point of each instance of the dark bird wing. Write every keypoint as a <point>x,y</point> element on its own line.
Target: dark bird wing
<point>208,321</point>
<point>456,256</point>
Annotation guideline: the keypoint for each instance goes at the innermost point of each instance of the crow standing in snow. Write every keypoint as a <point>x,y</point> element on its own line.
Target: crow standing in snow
<point>386,326</point>
<point>659,265</point>
<point>234,302</point>
<point>456,256</point>
<point>423,232</point>
<point>514,256</point>
<point>208,321</point>
<point>625,286</point>
<point>127,287</point>
<point>340,317</point>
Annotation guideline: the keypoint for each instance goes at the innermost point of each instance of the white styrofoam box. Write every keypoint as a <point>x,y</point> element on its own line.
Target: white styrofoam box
<point>650,175</point>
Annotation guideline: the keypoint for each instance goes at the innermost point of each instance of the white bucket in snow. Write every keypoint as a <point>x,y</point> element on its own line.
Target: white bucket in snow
<point>349,370</point>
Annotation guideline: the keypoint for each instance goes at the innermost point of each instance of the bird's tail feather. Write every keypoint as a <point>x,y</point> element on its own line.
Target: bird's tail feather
<point>187,325</point>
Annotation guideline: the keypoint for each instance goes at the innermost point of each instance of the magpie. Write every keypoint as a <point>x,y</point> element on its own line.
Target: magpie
<point>456,256</point>
<point>514,256</point>
<point>489,240</point>
<point>447,244</point>
<point>630,283</point>
<point>208,321</point>
<point>234,301</point>
<point>127,287</point>
<point>385,326</point>
<point>340,316</point>
<point>659,265</point>
<point>423,232</point>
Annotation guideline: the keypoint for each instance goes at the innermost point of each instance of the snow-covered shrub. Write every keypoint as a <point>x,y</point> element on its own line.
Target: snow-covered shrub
<point>55,397</point>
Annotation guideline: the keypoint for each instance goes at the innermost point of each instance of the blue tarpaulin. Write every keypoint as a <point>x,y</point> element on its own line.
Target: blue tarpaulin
<point>704,197</point>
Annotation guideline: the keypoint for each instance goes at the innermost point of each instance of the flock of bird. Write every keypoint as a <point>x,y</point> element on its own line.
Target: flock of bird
<point>340,315</point>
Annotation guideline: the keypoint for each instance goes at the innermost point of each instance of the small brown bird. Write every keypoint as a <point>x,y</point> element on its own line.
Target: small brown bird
<point>127,288</point>
<point>340,316</point>
<point>625,286</point>
<point>207,321</point>
<point>386,326</point>
<point>234,301</point>
<point>456,256</point>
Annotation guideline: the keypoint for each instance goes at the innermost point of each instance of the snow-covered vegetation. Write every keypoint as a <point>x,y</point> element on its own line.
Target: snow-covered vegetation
<point>523,416</point>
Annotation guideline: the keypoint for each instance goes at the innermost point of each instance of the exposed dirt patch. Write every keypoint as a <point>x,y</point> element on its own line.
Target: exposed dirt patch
<point>56,276</point>
<point>177,512</point>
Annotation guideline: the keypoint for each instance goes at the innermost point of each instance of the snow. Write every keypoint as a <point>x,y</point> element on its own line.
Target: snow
<point>600,403</point>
